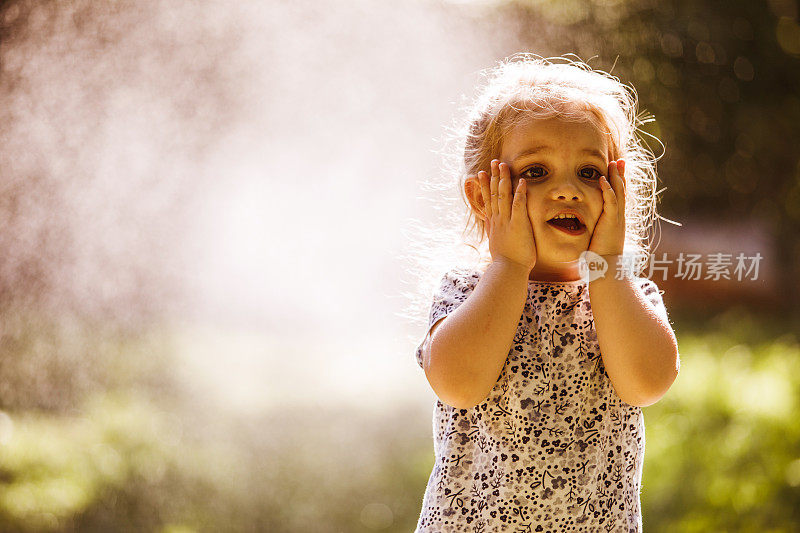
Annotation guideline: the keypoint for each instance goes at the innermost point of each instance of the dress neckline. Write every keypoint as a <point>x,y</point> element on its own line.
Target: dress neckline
<point>572,282</point>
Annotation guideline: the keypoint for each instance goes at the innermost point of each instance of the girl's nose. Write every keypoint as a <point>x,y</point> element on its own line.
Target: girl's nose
<point>565,189</point>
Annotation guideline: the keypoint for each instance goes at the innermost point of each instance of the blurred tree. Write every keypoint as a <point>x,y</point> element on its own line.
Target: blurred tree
<point>723,82</point>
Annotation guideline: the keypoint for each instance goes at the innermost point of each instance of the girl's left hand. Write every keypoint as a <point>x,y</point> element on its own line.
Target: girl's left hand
<point>609,233</point>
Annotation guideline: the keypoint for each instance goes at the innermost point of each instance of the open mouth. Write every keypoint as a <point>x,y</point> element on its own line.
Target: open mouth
<point>568,223</point>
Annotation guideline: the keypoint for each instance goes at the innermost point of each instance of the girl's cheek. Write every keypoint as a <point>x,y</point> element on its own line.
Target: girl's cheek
<point>534,215</point>
<point>534,195</point>
<point>530,195</point>
<point>531,205</point>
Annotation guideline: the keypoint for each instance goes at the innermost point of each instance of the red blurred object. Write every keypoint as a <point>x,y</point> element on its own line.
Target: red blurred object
<point>724,244</point>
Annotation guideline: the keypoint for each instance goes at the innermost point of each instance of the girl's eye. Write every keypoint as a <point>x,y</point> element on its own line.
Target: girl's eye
<point>536,172</point>
<point>590,173</point>
<point>533,172</point>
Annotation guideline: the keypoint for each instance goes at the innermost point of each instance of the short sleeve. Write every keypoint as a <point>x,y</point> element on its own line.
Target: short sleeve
<point>454,288</point>
<point>653,295</point>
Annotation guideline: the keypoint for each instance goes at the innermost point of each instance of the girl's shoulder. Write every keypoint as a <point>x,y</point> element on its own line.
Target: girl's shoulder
<point>464,271</point>
<point>652,293</point>
<point>647,283</point>
<point>461,276</point>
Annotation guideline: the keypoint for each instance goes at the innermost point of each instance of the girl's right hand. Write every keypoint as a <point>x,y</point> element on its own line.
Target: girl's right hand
<point>510,230</point>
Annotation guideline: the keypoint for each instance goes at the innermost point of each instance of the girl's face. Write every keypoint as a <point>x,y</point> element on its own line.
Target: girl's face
<point>562,163</point>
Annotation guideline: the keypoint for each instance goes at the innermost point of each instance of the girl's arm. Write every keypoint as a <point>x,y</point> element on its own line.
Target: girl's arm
<point>637,343</point>
<point>467,350</point>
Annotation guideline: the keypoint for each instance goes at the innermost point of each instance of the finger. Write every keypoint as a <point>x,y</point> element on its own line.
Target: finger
<point>608,191</point>
<point>519,209</point>
<point>493,186</point>
<point>483,181</point>
<point>613,177</point>
<point>504,192</point>
<point>483,178</point>
<point>618,186</point>
<point>623,190</point>
<point>609,198</point>
<point>619,173</point>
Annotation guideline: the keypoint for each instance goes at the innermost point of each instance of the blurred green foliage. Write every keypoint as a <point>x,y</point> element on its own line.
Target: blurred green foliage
<point>722,454</point>
<point>126,464</point>
<point>723,446</point>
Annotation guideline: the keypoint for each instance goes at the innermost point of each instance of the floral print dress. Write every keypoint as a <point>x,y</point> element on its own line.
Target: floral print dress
<point>552,447</point>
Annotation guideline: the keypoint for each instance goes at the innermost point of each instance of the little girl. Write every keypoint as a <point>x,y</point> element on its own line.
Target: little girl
<point>541,370</point>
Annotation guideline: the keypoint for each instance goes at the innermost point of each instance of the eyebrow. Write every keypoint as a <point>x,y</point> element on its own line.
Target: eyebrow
<point>545,148</point>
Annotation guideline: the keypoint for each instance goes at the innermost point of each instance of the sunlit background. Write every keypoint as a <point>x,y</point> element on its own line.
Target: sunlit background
<point>212,216</point>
